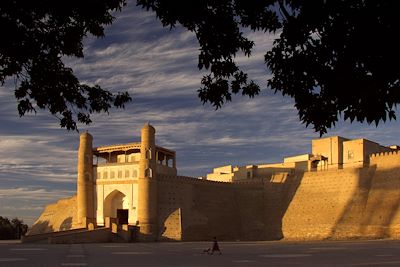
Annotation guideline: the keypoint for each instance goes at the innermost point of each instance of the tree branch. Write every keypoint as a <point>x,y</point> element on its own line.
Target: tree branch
<point>285,12</point>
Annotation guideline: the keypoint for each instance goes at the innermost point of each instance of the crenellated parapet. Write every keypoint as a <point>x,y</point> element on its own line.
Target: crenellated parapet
<point>384,154</point>
<point>385,159</point>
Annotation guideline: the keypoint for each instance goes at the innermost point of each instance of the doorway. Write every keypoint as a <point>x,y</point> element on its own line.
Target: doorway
<point>122,216</point>
<point>114,202</point>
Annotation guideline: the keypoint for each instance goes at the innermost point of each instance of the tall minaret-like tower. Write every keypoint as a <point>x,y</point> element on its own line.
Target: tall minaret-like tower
<point>85,196</point>
<point>147,199</point>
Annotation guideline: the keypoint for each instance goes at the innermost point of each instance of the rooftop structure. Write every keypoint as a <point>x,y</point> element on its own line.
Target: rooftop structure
<point>330,153</point>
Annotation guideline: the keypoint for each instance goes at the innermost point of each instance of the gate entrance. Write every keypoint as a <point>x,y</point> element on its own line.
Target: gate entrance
<point>122,216</point>
<point>116,207</point>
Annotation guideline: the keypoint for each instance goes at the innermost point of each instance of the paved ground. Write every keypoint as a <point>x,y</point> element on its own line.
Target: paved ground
<point>327,253</point>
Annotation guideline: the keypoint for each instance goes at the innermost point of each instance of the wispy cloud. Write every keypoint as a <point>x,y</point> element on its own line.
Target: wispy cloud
<point>22,193</point>
<point>27,203</point>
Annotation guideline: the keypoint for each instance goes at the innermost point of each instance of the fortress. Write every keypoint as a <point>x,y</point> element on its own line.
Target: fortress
<point>343,189</point>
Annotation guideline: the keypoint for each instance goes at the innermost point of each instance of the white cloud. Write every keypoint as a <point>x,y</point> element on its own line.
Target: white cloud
<point>24,193</point>
<point>27,203</point>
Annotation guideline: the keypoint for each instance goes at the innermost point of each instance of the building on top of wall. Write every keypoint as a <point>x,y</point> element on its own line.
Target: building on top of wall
<point>231,173</point>
<point>343,153</point>
<point>330,153</point>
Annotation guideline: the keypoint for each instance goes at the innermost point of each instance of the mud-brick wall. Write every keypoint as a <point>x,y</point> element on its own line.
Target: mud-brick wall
<point>278,193</point>
<point>317,202</point>
<point>172,199</point>
<point>335,204</point>
<point>251,198</point>
<point>385,160</point>
<point>344,204</point>
<point>59,216</point>
<point>196,209</point>
<point>213,212</point>
<point>373,211</point>
<point>382,215</point>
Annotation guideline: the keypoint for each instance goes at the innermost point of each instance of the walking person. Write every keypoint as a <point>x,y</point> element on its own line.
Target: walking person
<point>215,246</point>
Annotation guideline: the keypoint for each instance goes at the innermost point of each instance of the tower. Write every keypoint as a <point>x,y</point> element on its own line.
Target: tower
<point>85,194</point>
<point>147,182</point>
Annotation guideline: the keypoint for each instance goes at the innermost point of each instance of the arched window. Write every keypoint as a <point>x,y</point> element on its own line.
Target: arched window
<point>148,153</point>
<point>148,172</point>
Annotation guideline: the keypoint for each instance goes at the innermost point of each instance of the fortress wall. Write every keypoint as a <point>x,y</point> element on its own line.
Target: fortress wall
<point>381,216</point>
<point>58,216</point>
<point>343,204</point>
<point>213,211</point>
<point>385,160</point>
<point>333,204</point>
<point>200,209</point>
<point>170,205</point>
<point>195,209</point>
<point>278,192</point>
<point>250,201</point>
<point>261,204</point>
<point>373,211</point>
<point>315,202</point>
<point>336,204</point>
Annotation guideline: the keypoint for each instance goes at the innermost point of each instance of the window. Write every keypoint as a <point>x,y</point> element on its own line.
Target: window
<point>148,153</point>
<point>350,154</point>
<point>148,172</point>
<point>105,175</point>
<point>134,173</point>
<point>119,174</point>
<point>99,175</point>
<point>112,175</point>
<point>248,175</point>
<point>126,173</point>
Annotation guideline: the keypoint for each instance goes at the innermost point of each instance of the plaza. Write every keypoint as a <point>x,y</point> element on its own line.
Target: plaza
<point>382,252</point>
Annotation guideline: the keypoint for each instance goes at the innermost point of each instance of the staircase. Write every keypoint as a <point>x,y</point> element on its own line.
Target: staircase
<point>114,234</point>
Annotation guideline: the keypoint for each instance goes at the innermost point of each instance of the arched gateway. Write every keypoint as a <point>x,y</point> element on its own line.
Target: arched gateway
<point>116,205</point>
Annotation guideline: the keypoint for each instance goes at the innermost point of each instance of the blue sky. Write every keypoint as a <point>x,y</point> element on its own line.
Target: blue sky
<point>159,69</point>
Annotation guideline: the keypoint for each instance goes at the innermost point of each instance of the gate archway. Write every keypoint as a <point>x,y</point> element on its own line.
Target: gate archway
<point>116,206</point>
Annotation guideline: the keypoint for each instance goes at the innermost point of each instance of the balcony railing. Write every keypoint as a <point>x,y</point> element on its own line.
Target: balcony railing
<point>116,163</point>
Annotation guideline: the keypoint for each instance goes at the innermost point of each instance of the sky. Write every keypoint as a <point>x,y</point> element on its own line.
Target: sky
<point>158,67</point>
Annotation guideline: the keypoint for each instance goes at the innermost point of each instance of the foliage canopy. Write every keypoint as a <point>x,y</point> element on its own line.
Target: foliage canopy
<point>333,57</point>
<point>37,34</point>
<point>13,229</point>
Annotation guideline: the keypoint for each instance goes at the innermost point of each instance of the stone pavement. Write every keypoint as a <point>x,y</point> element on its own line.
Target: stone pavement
<point>325,253</point>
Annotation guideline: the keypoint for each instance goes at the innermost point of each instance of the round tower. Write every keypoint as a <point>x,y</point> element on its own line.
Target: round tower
<point>85,196</point>
<point>147,182</point>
